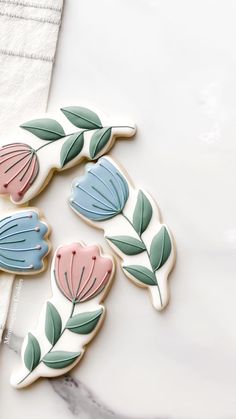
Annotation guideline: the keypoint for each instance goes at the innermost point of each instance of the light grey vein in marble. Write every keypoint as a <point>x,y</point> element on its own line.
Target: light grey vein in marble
<point>80,401</point>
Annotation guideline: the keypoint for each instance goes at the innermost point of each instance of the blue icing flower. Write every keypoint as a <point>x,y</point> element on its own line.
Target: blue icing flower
<point>101,193</point>
<point>22,244</point>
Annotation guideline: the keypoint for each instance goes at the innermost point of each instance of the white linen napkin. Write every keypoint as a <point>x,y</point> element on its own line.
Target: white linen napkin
<point>28,38</point>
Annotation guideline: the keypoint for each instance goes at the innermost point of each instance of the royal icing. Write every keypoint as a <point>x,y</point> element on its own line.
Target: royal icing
<point>26,167</point>
<point>80,278</point>
<point>23,242</point>
<point>131,222</point>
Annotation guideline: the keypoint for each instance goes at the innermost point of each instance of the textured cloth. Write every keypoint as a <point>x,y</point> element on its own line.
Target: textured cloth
<point>28,38</point>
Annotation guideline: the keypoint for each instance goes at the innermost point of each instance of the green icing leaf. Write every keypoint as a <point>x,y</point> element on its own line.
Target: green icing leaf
<point>71,148</point>
<point>32,353</point>
<point>142,213</point>
<point>60,359</point>
<point>84,323</point>
<point>128,245</point>
<point>99,140</point>
<point>52,323</point>
<point>46,129</point>
<point>143,274</point>
<point>82,117</point>
<point>160,248</point>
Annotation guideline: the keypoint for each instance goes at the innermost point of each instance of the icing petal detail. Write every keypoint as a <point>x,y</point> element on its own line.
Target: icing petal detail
<point>101,193</point>
<point>22,242</point>
<point>19,168</point>
<point>138,215</point>
<point>81,272</point>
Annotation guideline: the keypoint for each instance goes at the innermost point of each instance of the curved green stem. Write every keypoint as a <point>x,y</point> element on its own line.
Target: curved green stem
<point>63,330</point>
<point>79,132</point>
<point>61,138</point>
<point>148,254</point>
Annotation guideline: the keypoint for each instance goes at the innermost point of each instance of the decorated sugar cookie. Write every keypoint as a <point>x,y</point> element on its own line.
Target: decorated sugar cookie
<point>130,219</point>
<point>23,248</point>
<point>80,279</point>
<point>23,242</point>
<point>26,167</point>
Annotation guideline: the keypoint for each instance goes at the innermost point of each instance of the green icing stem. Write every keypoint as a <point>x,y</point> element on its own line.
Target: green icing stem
<point>41,360</point>
<point>80,132</point>
<point>147,251</point>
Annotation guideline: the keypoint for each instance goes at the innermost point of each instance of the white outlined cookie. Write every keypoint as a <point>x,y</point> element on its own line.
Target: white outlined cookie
<point>106,198</point>
<point>80,278</point>
<point>26,167</point>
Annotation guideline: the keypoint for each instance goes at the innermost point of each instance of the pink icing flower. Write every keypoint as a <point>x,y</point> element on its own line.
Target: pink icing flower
<point>81,272</point>
<point>19,168</point>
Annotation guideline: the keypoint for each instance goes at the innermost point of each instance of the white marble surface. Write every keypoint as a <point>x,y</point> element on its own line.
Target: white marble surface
<point>171,67</point>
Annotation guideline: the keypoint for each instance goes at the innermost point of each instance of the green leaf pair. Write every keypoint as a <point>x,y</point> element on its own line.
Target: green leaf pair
<point>88,120</point>
<point>160,246</point>
<point>82,323</point>
<point>56,360</point>
<point>74,144</point>
<point>50,130</point>
<point>159,253</point>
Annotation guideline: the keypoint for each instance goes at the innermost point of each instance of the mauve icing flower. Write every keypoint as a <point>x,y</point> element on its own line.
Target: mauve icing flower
<point>81,272</point>
<point>19,168</point>
<point>101,193</point>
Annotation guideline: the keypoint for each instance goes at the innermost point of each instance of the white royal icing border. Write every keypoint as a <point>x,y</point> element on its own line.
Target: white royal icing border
<point>49,157</point>
<point>72,342</point>
<point>118,225</point>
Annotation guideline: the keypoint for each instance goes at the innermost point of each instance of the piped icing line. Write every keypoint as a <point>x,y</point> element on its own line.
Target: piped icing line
<point>24,241</point>
<point>131,225</point>
<point>18,170</point>
<point>71,317</point>
<point>25,168</point>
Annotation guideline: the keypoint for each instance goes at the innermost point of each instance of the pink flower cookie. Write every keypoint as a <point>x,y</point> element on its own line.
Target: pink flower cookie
<point>26,167</point>
<point>19,168</point>
<point>80,278</point>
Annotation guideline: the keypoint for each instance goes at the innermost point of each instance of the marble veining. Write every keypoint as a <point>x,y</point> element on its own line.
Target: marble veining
<point>79,399</point>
